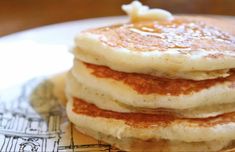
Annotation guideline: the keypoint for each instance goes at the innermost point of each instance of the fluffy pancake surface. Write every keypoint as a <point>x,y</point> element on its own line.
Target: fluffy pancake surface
<point>178,48</point>
<point>146,91</point>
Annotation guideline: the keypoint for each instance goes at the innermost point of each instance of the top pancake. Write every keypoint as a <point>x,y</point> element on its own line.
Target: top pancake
<point>184,47</point>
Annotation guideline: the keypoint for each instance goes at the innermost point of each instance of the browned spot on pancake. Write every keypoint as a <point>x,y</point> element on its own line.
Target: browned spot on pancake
<point>147,84</point>
<point>148,120</point>
<point>184,35</point>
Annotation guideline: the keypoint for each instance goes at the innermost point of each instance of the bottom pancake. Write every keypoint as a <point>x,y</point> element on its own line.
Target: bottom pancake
<point>134,145</point>
<point>151,126</point>
<point>104,101</point>
<point>93,128</point>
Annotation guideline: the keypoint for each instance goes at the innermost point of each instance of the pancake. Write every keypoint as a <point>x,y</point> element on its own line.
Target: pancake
<point>102,101</point>
<point>177,48</point>
<point>136,145</point>
<point>147,126</point>
<point>144,91</point>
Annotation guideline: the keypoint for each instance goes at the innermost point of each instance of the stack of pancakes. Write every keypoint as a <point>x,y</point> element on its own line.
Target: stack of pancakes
<point>155,85</point>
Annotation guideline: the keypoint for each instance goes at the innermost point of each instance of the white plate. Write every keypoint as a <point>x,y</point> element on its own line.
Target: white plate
<point>41,51</point>
<point>30,115</point>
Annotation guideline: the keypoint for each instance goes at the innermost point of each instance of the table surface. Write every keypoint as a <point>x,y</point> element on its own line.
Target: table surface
<point>19,15</point>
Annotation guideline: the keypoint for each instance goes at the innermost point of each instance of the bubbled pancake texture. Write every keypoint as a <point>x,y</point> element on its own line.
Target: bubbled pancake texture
<point>167,85</point>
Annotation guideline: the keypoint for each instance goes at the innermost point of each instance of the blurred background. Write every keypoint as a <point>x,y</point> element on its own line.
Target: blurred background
<point>18,15</point>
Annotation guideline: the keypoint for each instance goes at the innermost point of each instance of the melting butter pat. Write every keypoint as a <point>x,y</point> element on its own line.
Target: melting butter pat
<point>138,12</point>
